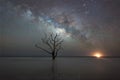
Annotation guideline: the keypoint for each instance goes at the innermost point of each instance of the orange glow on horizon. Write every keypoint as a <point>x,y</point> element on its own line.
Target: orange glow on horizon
<point>98,54</point>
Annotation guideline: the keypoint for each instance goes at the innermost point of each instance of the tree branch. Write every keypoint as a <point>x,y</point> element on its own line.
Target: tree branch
<point>59,43</point>
<point>42,48</point>
<point>53,42</point>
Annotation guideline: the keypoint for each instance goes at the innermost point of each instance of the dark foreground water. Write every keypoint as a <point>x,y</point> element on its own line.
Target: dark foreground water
<point>60,69</point>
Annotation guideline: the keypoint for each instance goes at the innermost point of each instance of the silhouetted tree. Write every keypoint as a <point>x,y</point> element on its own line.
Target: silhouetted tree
<point>53,42</point>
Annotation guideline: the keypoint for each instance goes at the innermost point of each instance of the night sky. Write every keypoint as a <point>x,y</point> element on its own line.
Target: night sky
<point>86,26</point>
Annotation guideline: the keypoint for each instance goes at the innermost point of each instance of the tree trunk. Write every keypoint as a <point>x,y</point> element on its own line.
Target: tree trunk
<point>53,56</point>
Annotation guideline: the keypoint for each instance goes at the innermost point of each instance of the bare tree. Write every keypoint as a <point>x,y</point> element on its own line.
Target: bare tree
<point>53,42</point>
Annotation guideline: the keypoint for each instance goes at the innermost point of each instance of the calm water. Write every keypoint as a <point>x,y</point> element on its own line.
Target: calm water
<point>61,69</point>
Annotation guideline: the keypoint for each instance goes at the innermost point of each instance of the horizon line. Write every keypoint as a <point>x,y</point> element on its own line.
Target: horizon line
<point>65,56</point>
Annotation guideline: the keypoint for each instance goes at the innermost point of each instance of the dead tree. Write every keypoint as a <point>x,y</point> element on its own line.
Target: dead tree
<point>53,43</point>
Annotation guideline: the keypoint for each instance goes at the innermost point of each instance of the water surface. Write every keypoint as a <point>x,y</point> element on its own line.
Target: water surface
<point>63,68</point>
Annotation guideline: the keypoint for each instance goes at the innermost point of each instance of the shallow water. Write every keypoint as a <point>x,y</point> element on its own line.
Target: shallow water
<point>63,68</point>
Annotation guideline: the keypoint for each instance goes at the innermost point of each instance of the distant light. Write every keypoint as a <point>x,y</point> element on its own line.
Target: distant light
<point>98,54</point>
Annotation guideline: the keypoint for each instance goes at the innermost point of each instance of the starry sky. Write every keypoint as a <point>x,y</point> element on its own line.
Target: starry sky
<point>86,26</point>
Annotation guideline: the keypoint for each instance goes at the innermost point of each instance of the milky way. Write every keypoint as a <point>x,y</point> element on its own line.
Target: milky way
<point>88,25</point>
